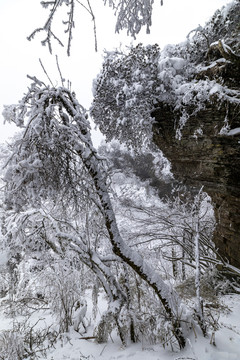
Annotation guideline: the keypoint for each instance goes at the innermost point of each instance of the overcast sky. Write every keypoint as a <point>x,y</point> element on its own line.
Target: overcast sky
<point>19,57</point>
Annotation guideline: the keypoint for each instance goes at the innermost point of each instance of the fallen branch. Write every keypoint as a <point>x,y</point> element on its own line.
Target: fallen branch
<point>87,337</point>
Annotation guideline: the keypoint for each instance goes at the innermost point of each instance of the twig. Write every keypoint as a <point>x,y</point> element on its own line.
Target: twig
<point>103,350</point>
<point>70,27</point>
<point>59,70</point>
<point>94,25</point>
<point>184,358</point>
<point>46,72</point>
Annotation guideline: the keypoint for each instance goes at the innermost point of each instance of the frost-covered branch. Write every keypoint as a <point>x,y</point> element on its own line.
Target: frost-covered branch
<point>131,15</point>
<point>48,24</point>
<point>163,226</point>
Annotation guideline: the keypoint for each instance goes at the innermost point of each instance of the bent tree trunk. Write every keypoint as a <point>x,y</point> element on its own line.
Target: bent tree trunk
<point>166,295</point>
<point>168,298</point>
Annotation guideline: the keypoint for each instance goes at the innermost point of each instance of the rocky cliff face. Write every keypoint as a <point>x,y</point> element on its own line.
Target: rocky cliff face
<point>207,155</point>
<point>207,152</point>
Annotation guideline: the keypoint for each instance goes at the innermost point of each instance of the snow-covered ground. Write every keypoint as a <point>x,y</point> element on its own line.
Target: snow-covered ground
<point>227,339</point>
<point>198,348</point>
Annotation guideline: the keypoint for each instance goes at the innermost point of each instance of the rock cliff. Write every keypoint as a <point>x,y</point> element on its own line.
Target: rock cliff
<point>203,157</point>
<point>207,152</point>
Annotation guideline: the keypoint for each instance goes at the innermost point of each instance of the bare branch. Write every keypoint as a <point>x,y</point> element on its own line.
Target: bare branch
<point>60,73</point>
<point>46,72</point>
<point>131,15</point>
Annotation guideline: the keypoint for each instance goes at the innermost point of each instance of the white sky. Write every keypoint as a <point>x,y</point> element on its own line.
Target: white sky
<point>19,57</point>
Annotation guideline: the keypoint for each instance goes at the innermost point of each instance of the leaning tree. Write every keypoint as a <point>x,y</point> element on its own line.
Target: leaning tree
<point>45,165</point>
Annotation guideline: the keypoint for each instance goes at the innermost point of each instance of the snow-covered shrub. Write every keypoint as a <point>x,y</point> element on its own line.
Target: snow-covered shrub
<point>142,319</point>
<point>104,328</point>
<point>62,289</point>
<point>12,346</point>
<point>26,341</point>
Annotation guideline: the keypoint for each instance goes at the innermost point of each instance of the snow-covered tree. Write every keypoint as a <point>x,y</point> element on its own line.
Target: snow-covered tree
<point>124,94</point>
<point>55,158</point>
